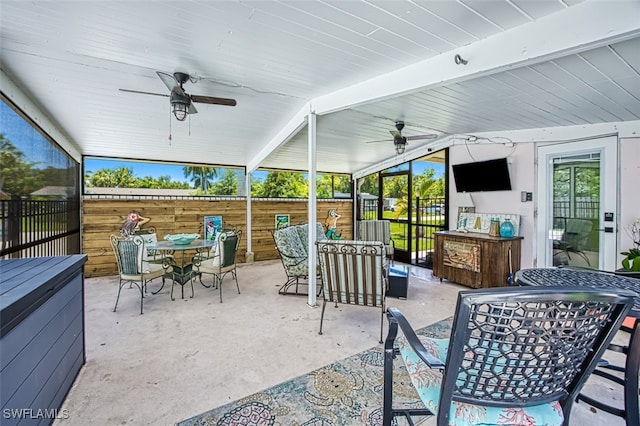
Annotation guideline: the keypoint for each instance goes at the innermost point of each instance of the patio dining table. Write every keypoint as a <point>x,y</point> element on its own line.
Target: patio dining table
<point>631,370</point>
<point>182,273</point>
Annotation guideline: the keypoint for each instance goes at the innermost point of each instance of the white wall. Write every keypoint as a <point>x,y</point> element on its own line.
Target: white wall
<point>521,167</point>
<point>629,189</point>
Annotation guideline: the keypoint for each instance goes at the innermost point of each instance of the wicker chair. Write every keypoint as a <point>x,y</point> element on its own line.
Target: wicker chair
<point>515,356</point>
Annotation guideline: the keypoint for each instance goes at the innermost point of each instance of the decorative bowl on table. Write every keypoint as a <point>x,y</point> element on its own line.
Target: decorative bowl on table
<point>181,239</point>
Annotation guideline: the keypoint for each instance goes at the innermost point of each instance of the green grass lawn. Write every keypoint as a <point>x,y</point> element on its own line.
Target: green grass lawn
<point>399,230</point>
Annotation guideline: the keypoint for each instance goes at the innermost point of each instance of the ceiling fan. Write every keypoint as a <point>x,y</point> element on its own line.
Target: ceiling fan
<point>181,101</point>
<point>400,142</point>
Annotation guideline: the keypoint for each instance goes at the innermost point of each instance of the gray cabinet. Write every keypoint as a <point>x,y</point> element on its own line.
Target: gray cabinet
<point>41,335</point>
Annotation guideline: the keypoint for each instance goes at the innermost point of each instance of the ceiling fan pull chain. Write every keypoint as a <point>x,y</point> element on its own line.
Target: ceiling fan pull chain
<point>170,127</point>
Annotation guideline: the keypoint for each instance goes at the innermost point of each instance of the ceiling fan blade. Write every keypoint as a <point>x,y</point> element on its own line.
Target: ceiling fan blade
<point>213,100</point>
<point>171,82</point>
<point>419,137</point>
<point>144,93</point>
<point>381,140</point>
<point>395,133</point>
<point>192,109</point>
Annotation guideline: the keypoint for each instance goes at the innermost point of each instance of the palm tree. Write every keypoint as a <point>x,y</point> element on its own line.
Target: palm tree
<point>202,177</point>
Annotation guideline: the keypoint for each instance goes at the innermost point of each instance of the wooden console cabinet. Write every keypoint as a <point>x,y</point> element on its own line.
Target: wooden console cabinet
<point>475,260</point>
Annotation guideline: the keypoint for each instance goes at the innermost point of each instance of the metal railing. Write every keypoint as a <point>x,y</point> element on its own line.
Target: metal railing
<point>368,209</point>
<point>429,215</point>
<point>582,208</point>
<point>36,228</point>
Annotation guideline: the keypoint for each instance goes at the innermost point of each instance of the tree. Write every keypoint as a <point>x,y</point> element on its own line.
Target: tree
<point>342,184</point>
<point>370,184</point>
<point>395,186</point>
<point>284,185</point>
<point>122,177</point>
<point>257,188</point>
<point>202,177</point>
<point>17,176</point>
<point>227,185</point>
<point>324,186</point>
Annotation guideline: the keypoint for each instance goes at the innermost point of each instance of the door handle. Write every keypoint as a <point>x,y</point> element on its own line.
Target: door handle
<point>608,229</point>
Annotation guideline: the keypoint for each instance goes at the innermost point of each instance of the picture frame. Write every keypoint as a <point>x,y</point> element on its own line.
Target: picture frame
<point>282,221</point>
<point>462,255</point>
<point>212,226</point>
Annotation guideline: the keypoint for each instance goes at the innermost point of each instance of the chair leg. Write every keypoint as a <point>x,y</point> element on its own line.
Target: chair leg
<point>219,281</point>
<point>143,284</point>
<point>235,276</point>
<point>203,284</point>
<point>585,257</point>
<point>161,287</point>
<point>632,402</point>
<point>118,297</point>
<point>381,322</point>
<point>324,305</point>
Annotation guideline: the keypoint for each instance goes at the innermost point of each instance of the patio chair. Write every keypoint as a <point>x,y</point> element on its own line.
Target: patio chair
<point>377,230</point>
<point>574,238</point>
<point>132,268</point>
<point>630,368</point>
<point>149,236</point>
<point>353,273</point>
<point>515,356</point>
<point>223,261</point>
<point>292,244</point>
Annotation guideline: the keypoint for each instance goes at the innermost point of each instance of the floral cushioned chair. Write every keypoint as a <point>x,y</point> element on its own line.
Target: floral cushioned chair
<point>292,244</point>
<point>516,356</point>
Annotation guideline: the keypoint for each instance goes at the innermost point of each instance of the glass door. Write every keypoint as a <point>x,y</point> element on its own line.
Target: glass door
<point>397,209</point>
<point>577,188</point>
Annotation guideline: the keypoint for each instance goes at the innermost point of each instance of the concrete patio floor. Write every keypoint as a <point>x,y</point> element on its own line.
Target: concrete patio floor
<point>185,357</point>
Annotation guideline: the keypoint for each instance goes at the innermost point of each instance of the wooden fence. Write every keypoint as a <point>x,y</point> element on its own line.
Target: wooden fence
<point>103,217</point>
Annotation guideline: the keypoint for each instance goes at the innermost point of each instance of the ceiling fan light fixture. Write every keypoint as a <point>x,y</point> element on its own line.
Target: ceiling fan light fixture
<point>400,144</point>
<point>180,103</point>
<point>180,111</point>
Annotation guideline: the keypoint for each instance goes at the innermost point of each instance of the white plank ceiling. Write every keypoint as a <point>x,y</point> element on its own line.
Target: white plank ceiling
<point>359,65</point>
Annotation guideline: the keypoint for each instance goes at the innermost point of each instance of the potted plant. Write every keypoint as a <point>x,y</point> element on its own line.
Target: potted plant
<point>631,260</point>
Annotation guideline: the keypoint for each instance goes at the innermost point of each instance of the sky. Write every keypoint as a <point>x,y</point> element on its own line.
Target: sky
<point>29,141</point>
<point>176,171</point>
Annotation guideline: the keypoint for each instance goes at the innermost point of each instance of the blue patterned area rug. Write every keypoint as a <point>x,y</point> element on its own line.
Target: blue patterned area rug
<point>347,392</point>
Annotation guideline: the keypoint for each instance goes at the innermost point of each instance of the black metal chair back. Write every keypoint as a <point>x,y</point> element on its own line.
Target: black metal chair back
<point>515,347</point>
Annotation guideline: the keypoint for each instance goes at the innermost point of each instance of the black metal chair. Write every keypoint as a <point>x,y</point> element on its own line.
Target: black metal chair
<point>629,381</point>
<point>515,355</point>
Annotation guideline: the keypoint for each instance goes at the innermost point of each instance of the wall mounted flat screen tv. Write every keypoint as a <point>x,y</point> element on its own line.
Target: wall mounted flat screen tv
<point>490,175</point>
